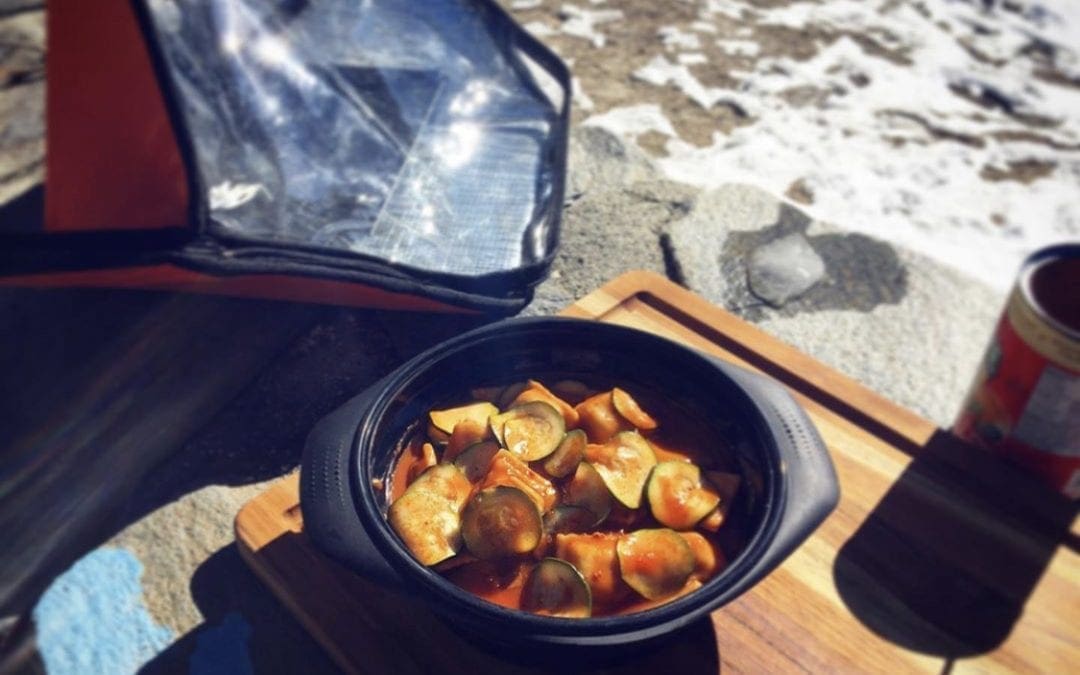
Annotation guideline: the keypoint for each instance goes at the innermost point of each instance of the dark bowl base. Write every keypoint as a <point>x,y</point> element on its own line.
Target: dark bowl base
<point>686,651</point>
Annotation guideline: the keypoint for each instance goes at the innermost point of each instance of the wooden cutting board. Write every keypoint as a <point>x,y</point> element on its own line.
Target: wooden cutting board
<point>938,558</point>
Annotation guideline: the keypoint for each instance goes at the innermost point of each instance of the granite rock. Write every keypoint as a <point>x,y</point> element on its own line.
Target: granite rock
<point>783,269</point>
<point>618,206</point>
<point>921,351</point>
<point>22,98</point>
<point>698,240</point>
<point>881,315</point>
<point>599,160</point>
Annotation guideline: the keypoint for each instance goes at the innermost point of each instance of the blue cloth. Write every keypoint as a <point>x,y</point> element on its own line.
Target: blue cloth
<point>92,618</point>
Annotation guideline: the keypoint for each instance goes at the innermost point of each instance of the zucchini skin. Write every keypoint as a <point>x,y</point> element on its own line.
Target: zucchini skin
<point>531,430</point>
<point>624,462</point>
<point>655,563</point>
<point>428,516</point>
<point>556,588</point>
<point>678,497</point>
<point>501,521</point>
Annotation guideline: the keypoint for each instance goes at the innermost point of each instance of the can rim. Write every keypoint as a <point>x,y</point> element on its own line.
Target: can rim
<point>1034,263</point>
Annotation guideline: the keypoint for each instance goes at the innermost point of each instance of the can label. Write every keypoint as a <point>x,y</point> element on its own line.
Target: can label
<point>1025,402</point>
<point>1051,418</point>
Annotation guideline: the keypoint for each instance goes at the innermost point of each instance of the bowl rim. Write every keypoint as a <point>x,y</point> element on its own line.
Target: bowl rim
<point>460,602</point>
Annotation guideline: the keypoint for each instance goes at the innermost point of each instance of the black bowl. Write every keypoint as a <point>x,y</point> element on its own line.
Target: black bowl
<point>790,484</point>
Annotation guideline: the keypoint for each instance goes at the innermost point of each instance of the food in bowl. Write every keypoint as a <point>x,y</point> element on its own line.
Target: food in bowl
<point>571,501</point>
<point>726,418</point>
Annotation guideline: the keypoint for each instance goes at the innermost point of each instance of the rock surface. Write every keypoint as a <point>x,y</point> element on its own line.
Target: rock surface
<point>921,352</point>
<point>616,210</point>
<point>22,99</point>
<point>807,98</point>
<point>194,583</point>
<point>783,269</point>
<point>882,315</point>
<point>599,160</point>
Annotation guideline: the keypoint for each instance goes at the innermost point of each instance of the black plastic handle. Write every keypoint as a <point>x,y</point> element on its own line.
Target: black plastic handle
<point>326,494</point>
<point>813,490</point>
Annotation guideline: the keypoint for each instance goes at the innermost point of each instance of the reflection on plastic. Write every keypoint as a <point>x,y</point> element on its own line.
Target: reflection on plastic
<point>414,133</point>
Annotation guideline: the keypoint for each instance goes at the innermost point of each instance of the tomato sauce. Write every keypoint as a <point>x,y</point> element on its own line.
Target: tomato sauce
<point>677,438</point>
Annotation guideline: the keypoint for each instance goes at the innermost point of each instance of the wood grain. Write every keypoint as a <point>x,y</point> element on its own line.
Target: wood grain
<point>937,558</point>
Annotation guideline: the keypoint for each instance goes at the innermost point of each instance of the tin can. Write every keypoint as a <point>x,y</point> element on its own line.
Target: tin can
<point>1025,402</point>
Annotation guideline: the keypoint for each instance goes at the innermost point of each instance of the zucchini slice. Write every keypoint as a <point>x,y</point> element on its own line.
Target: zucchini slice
<point>678,498</point>
<point>727,486</point>
<point>567,455</point>
<point>645,605</point>
<point>624,462</point>
<point>538,392</point>
<point>556,588</point>
<point>501,521</point>
<point>530,431</point>
<point>595,557</point>
<point>626,406</point>
<point>476,459</point>
<point>655,563</point>
<point>447,482</point>
<point>572,391</point>
<point>446,420</point>
<point>588,490</point>
<point>598,417</point>
<point>569,519</point>
<point>506,469</point>
<point>427,517</point>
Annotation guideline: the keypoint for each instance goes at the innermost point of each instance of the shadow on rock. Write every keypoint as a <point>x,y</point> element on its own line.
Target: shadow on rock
<point>128,400</point>
<point>860,272</point>
<point>24,214</point>
<point>245,628</point>
<point>260,434</point>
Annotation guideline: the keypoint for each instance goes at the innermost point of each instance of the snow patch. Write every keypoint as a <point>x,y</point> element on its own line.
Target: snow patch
<point>580,97</point>
<point>893,144</point>
<point>675,38</point>
<point>692,59</point>
<point>632,120</point>
<point>728,8</point>
<point>661,72</point>
<point>540,29</point>
<point>582,23</point>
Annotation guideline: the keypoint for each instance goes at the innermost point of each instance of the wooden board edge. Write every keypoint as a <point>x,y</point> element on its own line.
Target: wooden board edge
<point>794,368</point>
<point>285,490</point>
